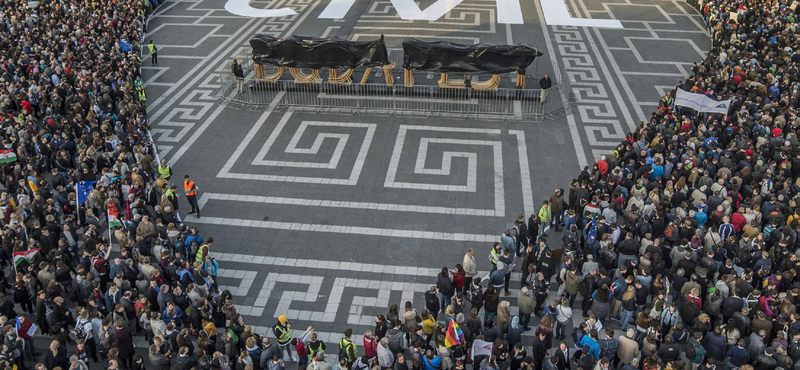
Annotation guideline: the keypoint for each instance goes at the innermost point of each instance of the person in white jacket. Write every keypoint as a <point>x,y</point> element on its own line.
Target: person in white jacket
<point>470,269</point>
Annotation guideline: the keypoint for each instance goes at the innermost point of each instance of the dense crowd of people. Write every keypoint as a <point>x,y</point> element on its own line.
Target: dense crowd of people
<point>680,245</point>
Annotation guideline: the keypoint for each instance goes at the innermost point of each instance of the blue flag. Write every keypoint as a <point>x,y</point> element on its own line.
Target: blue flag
<point>82,191</point>
<point>592,234</point>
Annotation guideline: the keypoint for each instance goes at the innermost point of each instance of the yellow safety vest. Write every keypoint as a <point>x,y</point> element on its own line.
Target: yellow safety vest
<point>494,256</point>
<point>152,48</point>
<point>164,171</point>
<point>285,337</point>
<point>199,256</point>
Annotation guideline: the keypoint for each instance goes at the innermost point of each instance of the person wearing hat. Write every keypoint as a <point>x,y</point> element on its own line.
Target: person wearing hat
<point>283,333</point>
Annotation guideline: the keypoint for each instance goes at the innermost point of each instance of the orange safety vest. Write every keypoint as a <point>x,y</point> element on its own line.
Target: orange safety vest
<point>191,190</point>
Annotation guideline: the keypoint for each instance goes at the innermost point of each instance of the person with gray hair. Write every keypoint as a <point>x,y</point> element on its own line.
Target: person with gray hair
<point>319,362</point>
<point>526,305</point>
<point>628,348</point>
<point>756,344</point>
<point>385,356</point>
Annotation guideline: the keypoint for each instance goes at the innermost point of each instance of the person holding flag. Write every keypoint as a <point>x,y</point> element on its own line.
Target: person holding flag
<point>82,191</point>
<point>115,221</point>
<point>454,335</point>
<point>24,259</point>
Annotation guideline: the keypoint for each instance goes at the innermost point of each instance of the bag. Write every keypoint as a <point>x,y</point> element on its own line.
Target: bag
<point>418,319</point>
<point>669,232</point>
<point>343,350</point>
<point>688,164</point>
<point>396,342</point>
<point>80,333</point>
<point>476,296</point>
<point>690,351</point>
<point>768,232</point>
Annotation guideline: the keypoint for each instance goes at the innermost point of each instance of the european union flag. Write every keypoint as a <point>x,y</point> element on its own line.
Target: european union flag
<point>82,191</point>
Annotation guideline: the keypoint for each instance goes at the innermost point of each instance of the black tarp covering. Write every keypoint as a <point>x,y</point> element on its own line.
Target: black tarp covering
<point>443,56</point>
<point>312,52</point>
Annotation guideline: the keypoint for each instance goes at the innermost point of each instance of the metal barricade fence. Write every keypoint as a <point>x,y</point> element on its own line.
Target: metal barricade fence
<point>513,104</point>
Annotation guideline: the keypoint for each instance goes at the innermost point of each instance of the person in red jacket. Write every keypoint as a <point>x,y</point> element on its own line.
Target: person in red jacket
<point>300,346</point>
<point>738,220</point>
<point>602,166</point>
<point>370,345</point>
<point>23,331</point>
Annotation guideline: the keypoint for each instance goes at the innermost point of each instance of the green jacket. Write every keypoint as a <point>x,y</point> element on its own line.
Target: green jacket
<point>545,214</point>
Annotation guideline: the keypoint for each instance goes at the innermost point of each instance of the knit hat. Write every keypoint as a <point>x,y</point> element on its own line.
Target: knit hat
<point>283,319</point>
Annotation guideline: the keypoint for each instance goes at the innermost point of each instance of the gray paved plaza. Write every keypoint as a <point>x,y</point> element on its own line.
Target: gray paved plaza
<point>330,218</point>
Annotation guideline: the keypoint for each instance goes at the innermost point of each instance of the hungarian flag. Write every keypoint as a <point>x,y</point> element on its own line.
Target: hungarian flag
<point>742,9</point>
<point>454,335</point>
<point>113,220</point>
<point>25,256</point>
<point>7,156</point>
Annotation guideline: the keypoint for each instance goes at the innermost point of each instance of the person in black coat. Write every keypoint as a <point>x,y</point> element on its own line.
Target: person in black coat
<point>563,357</point>
<point>715,345</point>
<point>731,305</point>
<point>432,302</point>
<point>7,307</point>
<point>688,311</point>
<point>740,320</point>
<point>446,288</point>
<point>539,350</point>
<point>765,361</point>
<point>519,357</point>
<point>669,351</point>
<point>56,356</point>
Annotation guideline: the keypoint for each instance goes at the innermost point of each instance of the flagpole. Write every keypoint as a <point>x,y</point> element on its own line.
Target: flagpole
<point>109,232</point>
<point>77,205</point>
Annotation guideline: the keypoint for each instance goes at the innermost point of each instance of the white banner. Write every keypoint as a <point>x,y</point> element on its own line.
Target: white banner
<point>701,103</point>
<point>481,348</point>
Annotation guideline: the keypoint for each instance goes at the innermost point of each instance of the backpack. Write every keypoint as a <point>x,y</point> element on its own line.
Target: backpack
<point>80,333</point>
<point>182,274</point>
<point>586,287</point>
<point>396,342</point>
<point>615,288</point>
<point>669,232</point>
<point>343,353</point>
<point>795,222</point>
<point>688,164</point>
<point>690,351</point>
<point>570,242</point>
<point>768,231</point>
<point>476,295</point>
<point>101,266</point>
<point>515,231</point>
